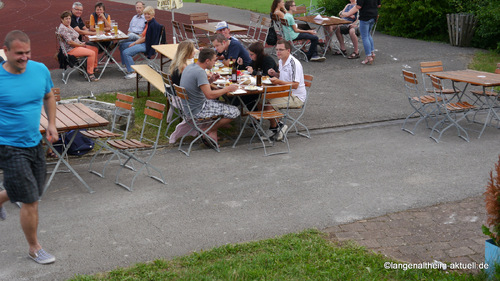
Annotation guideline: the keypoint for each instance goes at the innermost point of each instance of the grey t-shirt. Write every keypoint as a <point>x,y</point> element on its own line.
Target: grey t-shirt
<point>192,78</point>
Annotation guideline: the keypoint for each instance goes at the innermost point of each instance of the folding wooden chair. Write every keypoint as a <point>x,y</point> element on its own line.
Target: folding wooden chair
<point>257,117</point>
<point>175,104</point>
<point>153,118</point>
<point>487,99</point>
<point>179,32</point>
<point>123,111</point>
<point>201,126</point>
<point>253,25</point>
<point>451,112</point>
<point>71,66</point>
<point>197,18</point>
<point>423,105</point>
<point>261,36</point>
<point>294,114</point>
<point>427,68</point>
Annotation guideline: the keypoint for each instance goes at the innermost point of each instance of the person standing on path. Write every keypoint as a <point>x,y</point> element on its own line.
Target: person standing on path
<point>25,86</point>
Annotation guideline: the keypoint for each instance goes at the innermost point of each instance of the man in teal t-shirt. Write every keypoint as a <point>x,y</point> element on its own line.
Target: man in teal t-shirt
<point>24,86</point>
<point>292,32</point>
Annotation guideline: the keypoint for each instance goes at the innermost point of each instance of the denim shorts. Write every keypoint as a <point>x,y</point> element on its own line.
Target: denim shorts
<point>24,172</point>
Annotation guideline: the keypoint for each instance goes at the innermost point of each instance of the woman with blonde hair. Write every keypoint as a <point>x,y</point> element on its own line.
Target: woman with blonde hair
<point>185,52</point>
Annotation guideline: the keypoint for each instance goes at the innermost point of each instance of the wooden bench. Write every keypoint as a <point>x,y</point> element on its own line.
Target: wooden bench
<point>151,75</point>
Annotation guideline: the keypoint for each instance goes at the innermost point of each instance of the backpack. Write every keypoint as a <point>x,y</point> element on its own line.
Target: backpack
<point>81,145</point>
<point>272,37</point>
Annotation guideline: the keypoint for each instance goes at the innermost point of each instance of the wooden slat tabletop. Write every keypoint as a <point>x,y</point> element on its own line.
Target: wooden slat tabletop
<point>481,78</point>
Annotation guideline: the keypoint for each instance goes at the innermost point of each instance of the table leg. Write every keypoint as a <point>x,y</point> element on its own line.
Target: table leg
<point>63,160</point>
<point>109,56</point>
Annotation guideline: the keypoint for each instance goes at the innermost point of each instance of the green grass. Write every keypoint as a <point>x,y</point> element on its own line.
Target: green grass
<point>485,61</point>
<point>260,6</point>
<point>304,256</point>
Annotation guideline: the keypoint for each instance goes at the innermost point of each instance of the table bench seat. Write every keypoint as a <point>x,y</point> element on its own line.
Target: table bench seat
<point>151,75</point>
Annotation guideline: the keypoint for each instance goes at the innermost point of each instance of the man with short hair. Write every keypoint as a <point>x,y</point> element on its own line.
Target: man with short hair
<point>77,23</point>
<point>26,85</point>
<point>290,72</point>
<point>137,23</point>
<point>202,98</point>
<point>231,49</point>
<point>223,28</point>
<point>292,32</point>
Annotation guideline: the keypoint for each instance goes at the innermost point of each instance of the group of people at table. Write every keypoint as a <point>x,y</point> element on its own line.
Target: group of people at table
<point>143,28</point>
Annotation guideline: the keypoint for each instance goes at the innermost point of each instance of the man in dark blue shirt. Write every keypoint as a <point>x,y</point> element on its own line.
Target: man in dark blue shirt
<point>231,49</point>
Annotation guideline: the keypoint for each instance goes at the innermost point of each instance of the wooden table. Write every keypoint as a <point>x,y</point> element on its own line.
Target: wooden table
<point>73,116</point>
<point>166,50</point>
<point>108,54</point>
<point>475,78</point>
<point>329,21</point>
<point>151,75</point>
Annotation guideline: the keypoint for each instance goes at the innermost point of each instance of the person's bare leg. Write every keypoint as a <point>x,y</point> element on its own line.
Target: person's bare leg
<point>224,122</point>
<point>354,39</point>
<point>29,224</point>
<point>3,197</point>
<point>340,38</point>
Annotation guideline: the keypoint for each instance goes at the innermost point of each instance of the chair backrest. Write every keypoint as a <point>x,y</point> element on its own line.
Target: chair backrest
<point>198,17</point>
<point>274,92</point>
<point>428,67</point>
<point>253,25</point>
<point>60,45</point>
<point>436,84</point>
<point>123,110</point>
<point>265,24</point>
<point>153,118</point>
<point>301,10</point>
<point>179,32</point>
<point>411,85</point>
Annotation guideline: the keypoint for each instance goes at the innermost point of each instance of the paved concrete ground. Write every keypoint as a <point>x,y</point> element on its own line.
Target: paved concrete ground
<point>357,178</point>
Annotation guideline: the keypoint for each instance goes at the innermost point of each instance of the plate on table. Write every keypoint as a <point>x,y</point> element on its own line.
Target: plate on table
<point>220,81</point>
<point>218,64</point>
<point>267,82</point>
<point>239,91</point>
<point>253,88</point>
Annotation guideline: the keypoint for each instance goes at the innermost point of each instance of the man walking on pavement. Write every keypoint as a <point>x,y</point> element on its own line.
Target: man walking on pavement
<point>25,86</point>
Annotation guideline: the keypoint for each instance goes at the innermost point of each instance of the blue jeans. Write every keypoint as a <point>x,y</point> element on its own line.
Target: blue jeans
<point>313,49</point>
<point>364,28</point>
<point>127,54</point>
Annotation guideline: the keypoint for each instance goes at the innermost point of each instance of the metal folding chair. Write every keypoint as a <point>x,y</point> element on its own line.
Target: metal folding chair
<point>260,36</point>
<point>424,106</point>
<point>253,25</point>
<point>453,112</point>
<point>427,68</point>
<point>129,148</point>
<point>257,117</point>
<point>123,111</point>
<point>201,126</point>
<point>294,114</point>
<point>175,105</point>
<point>151,60</point>
<point>179,32</point>
<point>487,98</point>
<point>72,66</point>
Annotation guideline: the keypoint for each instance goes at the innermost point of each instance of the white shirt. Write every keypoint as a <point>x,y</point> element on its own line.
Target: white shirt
<point>137,24</point>
<point>292,71</point>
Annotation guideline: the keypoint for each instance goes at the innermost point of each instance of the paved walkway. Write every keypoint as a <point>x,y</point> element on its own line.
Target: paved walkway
<point>358,178</point>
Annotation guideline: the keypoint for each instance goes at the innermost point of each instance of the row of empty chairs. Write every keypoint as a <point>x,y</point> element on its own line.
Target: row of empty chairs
<point>445,107</point>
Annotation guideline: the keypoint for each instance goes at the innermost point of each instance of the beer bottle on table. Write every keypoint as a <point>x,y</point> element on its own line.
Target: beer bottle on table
<point>259,77</point>
<point>234,72</point>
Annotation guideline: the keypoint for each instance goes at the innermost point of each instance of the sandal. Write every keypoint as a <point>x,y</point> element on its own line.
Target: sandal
<point>353,56</point>
<point>92,78</point>
<point>341,53</point>
<point>208,142</point>
<point>367,61</point>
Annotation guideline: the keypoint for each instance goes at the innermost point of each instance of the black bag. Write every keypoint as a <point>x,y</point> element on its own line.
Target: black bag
<point>272,37</point>
<point>81,145</point>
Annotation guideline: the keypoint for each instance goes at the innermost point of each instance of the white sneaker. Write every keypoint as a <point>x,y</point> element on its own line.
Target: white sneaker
<point>281,132</point>
<point>131,75</point>
<point>318,59</point>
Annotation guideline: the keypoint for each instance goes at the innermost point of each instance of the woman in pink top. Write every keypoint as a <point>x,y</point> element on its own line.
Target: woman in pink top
<point>75,47</point>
